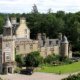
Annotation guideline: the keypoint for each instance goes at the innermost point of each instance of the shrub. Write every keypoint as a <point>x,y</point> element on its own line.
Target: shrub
<point>73,77</point>
<point>20,60</point>
<point>33,59</point>
<point>57,60</point>
<point>51,58</point>
<point>17,70</point>
<point>66,60</point>
<point>76,54</point>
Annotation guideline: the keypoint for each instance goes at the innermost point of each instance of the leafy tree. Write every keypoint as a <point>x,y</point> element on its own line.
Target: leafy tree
<point>60,14</point>
<point>33,59</point>
<point>51,24</point>
<point>49,10</point>
<point>51,58</point>
<point>2,21</point>
<point>20,60</point>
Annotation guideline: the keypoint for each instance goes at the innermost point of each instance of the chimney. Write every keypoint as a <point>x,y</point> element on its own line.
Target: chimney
<point>22,20</point>
<point>13,20</point>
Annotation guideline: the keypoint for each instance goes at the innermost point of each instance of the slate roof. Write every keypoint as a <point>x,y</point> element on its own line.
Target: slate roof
<point>8,23</point>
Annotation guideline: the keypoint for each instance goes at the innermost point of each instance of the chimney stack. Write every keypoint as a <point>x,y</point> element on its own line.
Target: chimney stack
<point>22,20</point>
<point>13,20</point>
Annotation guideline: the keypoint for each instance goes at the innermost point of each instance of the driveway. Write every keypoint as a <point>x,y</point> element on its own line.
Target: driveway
<point>34,76</point>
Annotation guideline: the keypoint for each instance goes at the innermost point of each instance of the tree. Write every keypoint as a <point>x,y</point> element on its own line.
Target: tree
<point>60,14</point>
<point>20,60</point>
<point>2,21</point>
<point>51,58</point>
<point>49,10</point>
<point>51,24</point>
<point>33,59</point>
<point>35,10</point>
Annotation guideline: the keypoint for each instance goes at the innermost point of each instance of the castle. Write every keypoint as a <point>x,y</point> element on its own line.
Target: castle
<point>16,40</point>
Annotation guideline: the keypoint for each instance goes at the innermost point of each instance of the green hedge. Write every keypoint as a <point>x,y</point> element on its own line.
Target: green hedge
<point>73,77</point>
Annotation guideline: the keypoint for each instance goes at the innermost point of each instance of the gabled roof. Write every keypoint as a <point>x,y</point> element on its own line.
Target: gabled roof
<point>8,23</point>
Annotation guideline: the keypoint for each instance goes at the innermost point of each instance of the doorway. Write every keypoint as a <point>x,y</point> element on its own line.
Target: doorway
<point>9,69</point>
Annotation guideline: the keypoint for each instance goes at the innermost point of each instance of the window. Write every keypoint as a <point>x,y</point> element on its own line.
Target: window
<point>17,47</point>
<point>50,42</point>
<point>31,46</point>
<point>24,46</point>
<point>57,42</point>
<point>7,57</point>
<point>7,44</point>
<point>26,31</point>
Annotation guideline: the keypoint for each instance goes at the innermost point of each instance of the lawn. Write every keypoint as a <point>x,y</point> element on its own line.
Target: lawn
<point>69,68</point>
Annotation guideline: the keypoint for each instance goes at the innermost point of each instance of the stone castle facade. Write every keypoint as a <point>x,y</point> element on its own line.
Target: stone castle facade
<point>16,40</point>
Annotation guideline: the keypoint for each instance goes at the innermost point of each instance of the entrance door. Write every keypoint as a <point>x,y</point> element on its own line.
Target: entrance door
<point>9,69</point>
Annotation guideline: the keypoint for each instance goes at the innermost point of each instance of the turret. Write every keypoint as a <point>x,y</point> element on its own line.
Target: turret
<point>8,48</point>
<point>64,47</point>
<point>7,29</point>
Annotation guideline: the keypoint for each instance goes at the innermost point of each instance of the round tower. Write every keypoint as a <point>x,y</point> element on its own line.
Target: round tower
<point>64,47</point>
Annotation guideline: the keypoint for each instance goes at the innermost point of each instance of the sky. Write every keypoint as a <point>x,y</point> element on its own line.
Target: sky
<point>25,6</point>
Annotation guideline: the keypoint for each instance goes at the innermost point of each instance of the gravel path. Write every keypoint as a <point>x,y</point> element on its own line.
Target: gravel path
<point>34,76</point>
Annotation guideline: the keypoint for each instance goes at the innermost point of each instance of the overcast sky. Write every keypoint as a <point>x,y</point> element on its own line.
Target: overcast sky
<point>25,6</point>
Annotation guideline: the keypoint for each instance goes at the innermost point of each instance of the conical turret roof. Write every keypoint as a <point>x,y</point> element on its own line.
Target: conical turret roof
<point>64,40</point>
<point>8,23</point>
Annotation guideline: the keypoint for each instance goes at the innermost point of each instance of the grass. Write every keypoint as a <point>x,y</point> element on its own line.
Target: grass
<point>69,68</point>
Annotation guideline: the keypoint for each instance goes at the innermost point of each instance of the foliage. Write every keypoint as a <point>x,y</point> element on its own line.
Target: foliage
<point>73,77</point>
<point>66,60</point>
<point>69,68</point>
<point>51,58</point>
<point>57,60</point>
<point>20,60</point>
<point>33,59</point>
<point>51,24</point>
<point>17,70</point>
<point>76,54</point>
